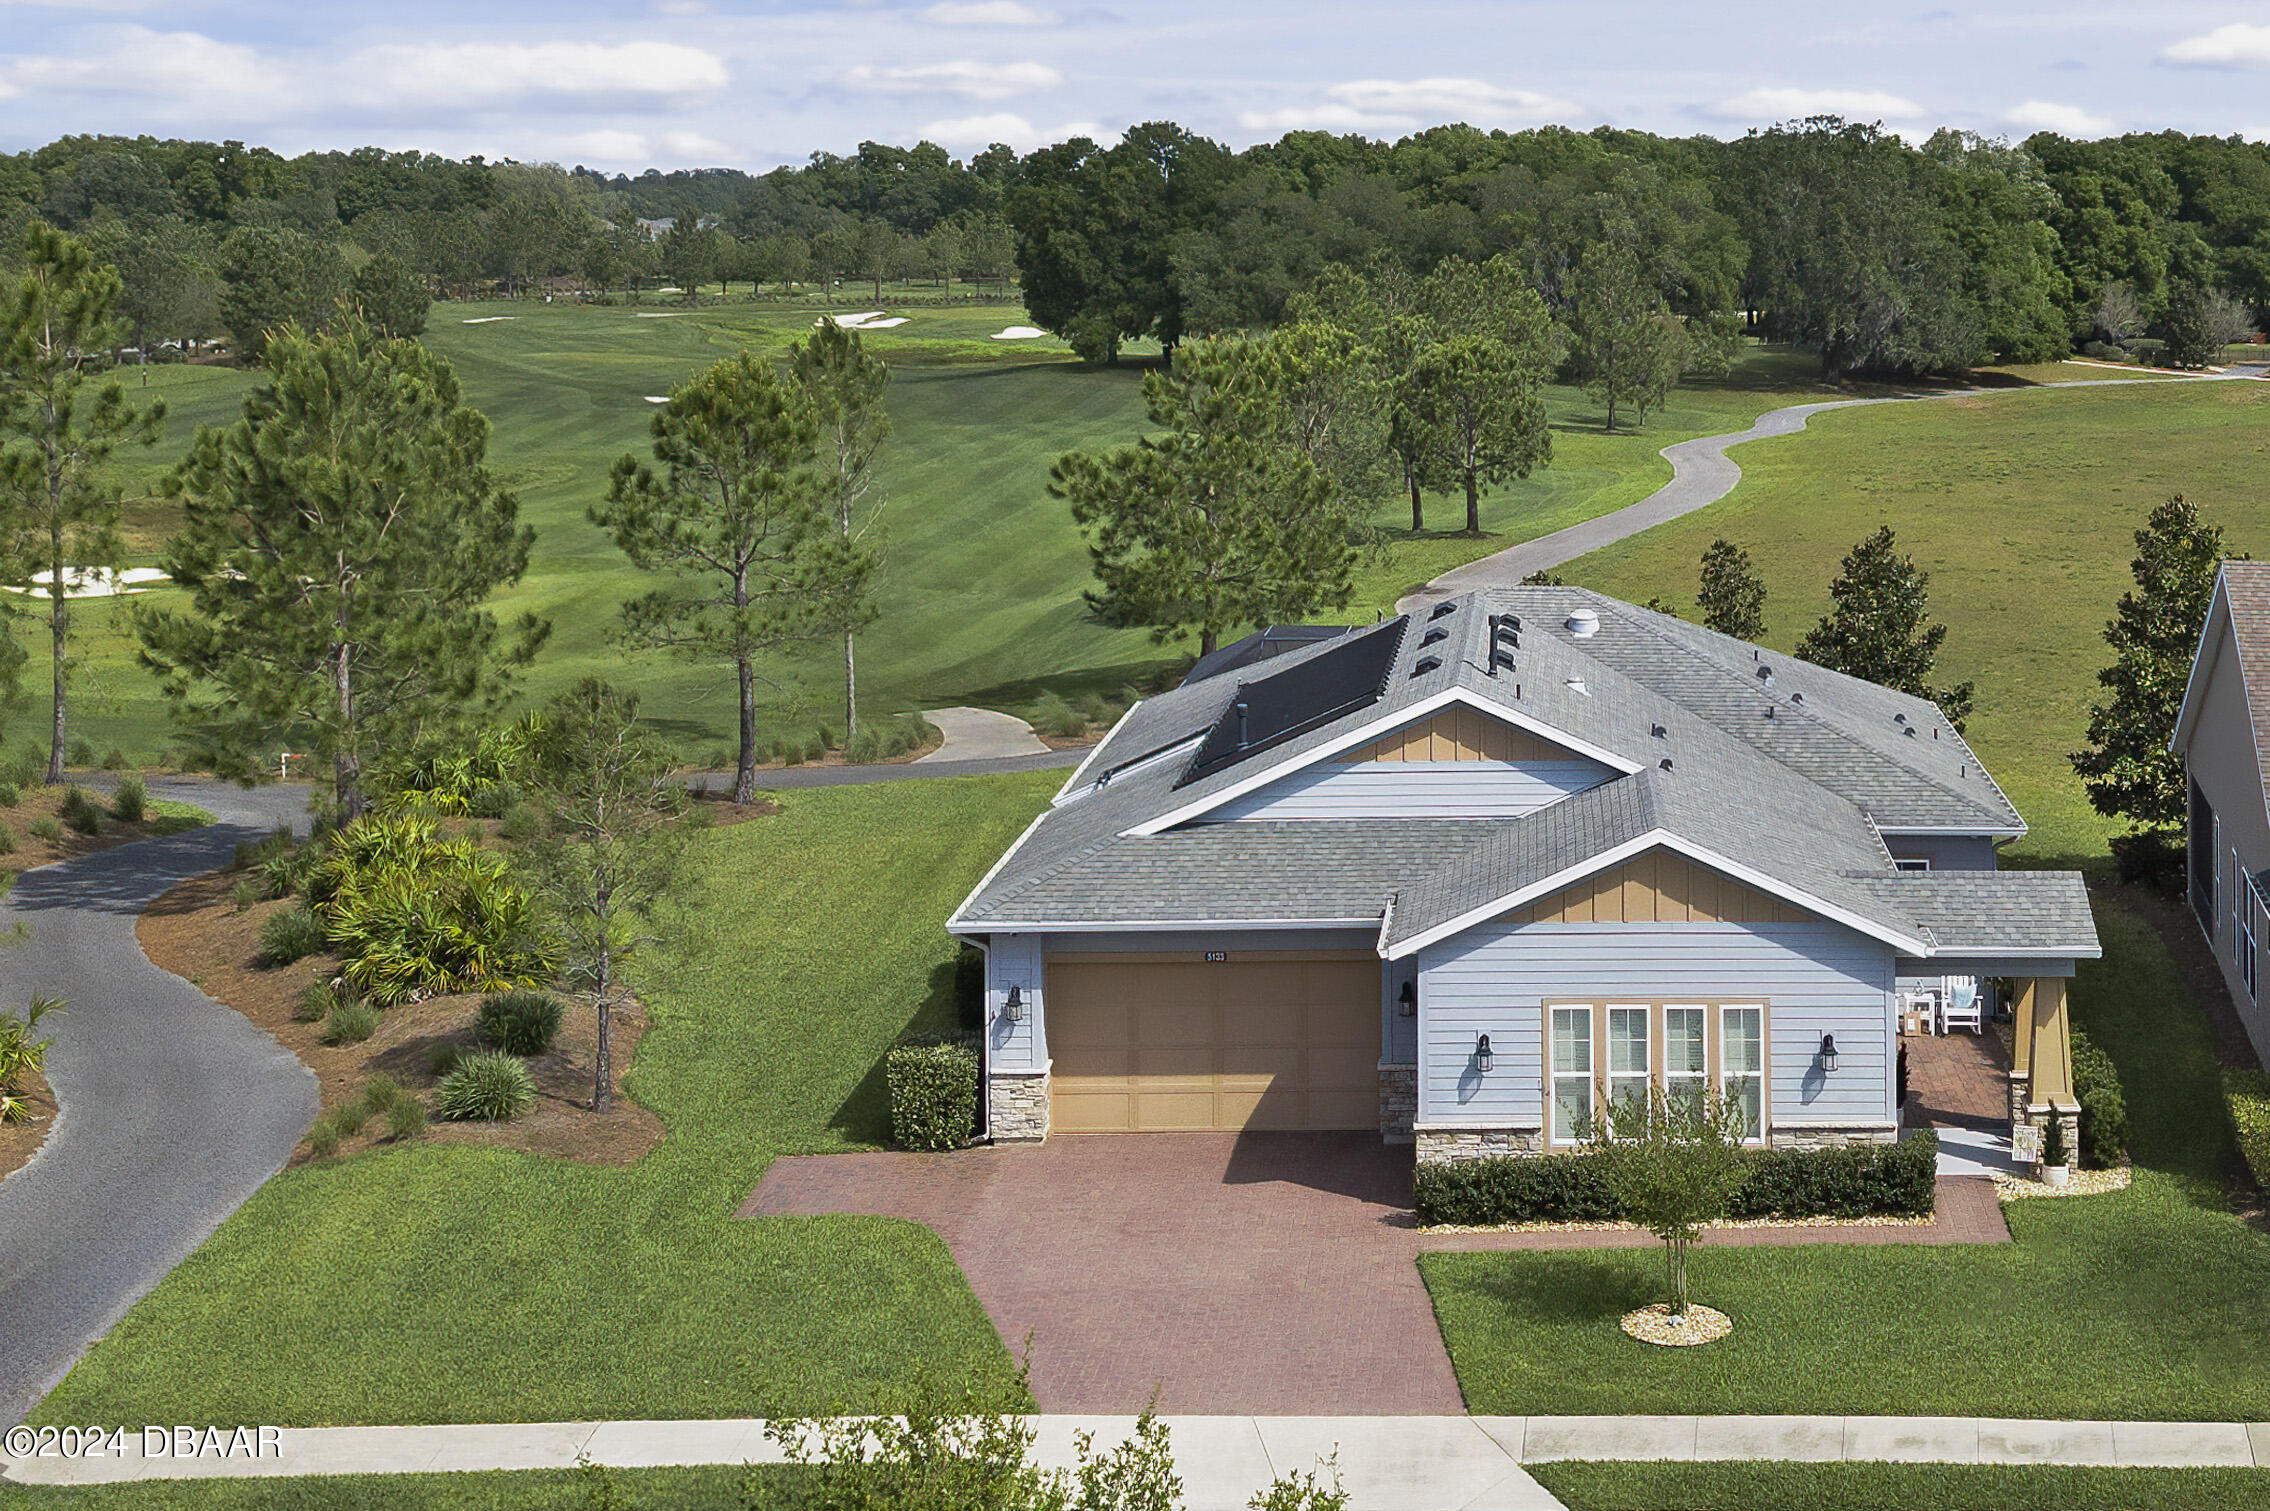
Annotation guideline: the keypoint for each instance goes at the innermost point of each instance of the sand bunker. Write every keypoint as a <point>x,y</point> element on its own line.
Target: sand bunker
<point>659,314</point>
<point>1018,333</point>
<point>657,398</point>
<point>487,319</point>
<point>853,322</point>
<point>82,583</point>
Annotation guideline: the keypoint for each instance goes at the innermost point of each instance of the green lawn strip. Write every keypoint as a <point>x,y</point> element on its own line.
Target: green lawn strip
<point>451,1283</point>
<point>2145,1304</point>
<point>704,1488</point>
<point>2022,506</point>
<point>984,570</point>
<point>1910,1487</point>
<point>169,817</point>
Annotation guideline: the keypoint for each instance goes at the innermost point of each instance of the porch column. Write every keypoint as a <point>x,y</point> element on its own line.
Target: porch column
<point>2042,1058</point>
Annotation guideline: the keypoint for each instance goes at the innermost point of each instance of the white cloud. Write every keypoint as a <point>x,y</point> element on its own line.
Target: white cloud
<point>182,74</point>
<point>988,13</point>
<point>1376,105</point>
<point>605,147</point>
<point>969,79</point>
<point>2065,120</point>
<point>681,7</point>
<point>1791,104</point>
<point>692,144</point>
<point>1001,126</point>
<point>2233,46</point>
<point>461,74</point>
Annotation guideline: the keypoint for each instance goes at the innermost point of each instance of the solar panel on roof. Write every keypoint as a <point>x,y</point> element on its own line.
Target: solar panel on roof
<point>1275,708</point>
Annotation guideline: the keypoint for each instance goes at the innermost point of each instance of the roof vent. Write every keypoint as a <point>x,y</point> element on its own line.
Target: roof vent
<point>1583,623</point>
<point>1899,718</point>
<point>1765,674</point>
<point>1447,606</point>
<point>1798,699</point>
<point>1657,730</point>
<point>1426,664</point>
<point>1576,685</point>
<point>1500,658</point>
<point>1769,710</point>
<point>1434,637</point>
<point>1665,763</point>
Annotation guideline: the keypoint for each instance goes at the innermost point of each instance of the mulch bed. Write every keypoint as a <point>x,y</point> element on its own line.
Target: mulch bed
<point>37,803</point>
<point>196,931</point>
<point>20,1141</point>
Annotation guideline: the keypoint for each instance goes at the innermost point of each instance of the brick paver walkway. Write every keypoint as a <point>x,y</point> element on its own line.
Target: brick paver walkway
<point>1265,1273</point>
<point>1957,1080</point>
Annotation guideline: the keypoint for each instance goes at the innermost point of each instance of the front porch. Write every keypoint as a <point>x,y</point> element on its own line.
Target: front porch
<point>1978,1088</point>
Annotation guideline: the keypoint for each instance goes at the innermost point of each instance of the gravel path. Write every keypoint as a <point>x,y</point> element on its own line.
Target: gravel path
<point>1702,474</point>
<point>174,1108</point>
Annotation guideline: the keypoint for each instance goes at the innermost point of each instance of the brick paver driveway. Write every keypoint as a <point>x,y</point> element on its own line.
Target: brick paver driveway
<point>1268,1274</point>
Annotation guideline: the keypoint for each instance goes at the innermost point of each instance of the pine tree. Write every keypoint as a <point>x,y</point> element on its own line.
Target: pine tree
<point>738,519</point>
<point>1878,627</point>
<point>1218,523</point>
<point>1632,348</point>
<point>1733,595</point>
<point>1486,425</point>
<point>59,423</point>
<point>2127,768</point>
<point>340,544</point>
<point>846,387</point>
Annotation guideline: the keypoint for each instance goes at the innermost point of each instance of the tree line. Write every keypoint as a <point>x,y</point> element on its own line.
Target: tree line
<point>1881,255</point>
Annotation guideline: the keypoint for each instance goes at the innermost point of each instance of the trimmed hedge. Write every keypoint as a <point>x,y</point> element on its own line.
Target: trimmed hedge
<point>1875,1180</point>
<point>933,1094</point>
<point>2247,1094</point>
<point>2104,1106</point>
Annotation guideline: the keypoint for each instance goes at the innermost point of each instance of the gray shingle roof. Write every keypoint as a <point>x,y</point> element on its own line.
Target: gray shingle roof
<point>1792,778</point>
<point>1995,912</point>
<point>2246,588</point>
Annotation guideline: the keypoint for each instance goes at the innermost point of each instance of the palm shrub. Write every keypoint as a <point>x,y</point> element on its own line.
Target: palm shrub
<point>520,1023</point>
<point>293,934</point>
<point>22,1056</point>
<point>132,801</point>
<point>487,1086</point>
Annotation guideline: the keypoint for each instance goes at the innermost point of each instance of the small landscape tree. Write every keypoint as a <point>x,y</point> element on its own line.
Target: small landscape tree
<point>1878,627</point>
<point>1733,596</point>
<point>2127,769</point>
<point>60,421</point>
<point>610,852</point>
<point>1673,1168</point>
<point>739,522</point>
<point>846,385</point>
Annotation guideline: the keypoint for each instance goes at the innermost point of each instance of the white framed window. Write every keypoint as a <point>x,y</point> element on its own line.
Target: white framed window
<point>1630,1072</point>
<point>1686,1054</point>
<point>1571,1070</point>
<point>1911,863</point>
<point>1742,1064</point>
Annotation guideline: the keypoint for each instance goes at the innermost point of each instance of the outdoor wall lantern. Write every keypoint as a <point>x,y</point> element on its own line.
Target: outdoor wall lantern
<point>1483,1059</point>
<point>1407,999</point>
<point>1014,1007</point>
<point>1828,1052</point>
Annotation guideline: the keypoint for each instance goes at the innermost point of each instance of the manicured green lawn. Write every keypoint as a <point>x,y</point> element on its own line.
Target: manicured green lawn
<point>1909,1487</point>
<point>710,1488</point>
<point>2148,1303</point>
<point>982,597</point>
<point>2023,507</point>
<point>433,1283</point>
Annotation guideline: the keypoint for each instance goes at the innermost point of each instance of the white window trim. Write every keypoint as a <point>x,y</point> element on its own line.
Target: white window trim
<point>1763,1074</point>
<point>1602,1081</point>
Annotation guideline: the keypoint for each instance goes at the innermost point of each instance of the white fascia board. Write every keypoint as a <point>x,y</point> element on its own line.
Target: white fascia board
<point>1364,734</point>
<point>1170,925</point>
<point>1951,831</point>
<point>1669,841</point>
<point>2194,690</point>
<point>955,924</point>
<point>1156,758</point>
<point>1072,783</point>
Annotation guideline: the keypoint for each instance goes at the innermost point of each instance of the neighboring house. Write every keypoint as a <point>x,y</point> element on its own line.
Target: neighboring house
<point>2221,734</point>
<point>1475,875</point>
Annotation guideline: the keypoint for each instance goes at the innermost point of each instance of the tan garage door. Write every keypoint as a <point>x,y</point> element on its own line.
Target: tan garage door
<point>1172,1043</point>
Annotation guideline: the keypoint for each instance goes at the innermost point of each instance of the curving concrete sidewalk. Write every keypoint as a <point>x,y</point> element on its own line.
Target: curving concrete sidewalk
<point>1702,474</point>
<point>980,734</point>
<point>173,1108</point>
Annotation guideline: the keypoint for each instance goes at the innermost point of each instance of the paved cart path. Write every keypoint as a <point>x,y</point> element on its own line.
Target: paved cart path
<point>173,1108</point>
<point>1702,474</point>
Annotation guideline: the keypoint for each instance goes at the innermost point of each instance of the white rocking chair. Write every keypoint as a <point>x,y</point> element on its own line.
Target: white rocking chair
<point>1961,1008</point>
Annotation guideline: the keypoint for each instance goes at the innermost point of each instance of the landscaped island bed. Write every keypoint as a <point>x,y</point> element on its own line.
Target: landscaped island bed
<point>433,1282</point>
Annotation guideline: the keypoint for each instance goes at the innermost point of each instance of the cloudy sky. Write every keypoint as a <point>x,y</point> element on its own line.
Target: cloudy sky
<point>755,83</point>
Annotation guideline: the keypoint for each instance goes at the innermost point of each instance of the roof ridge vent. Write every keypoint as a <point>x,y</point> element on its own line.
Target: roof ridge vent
<point>1584,623</point>
<point>1426,664</point>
